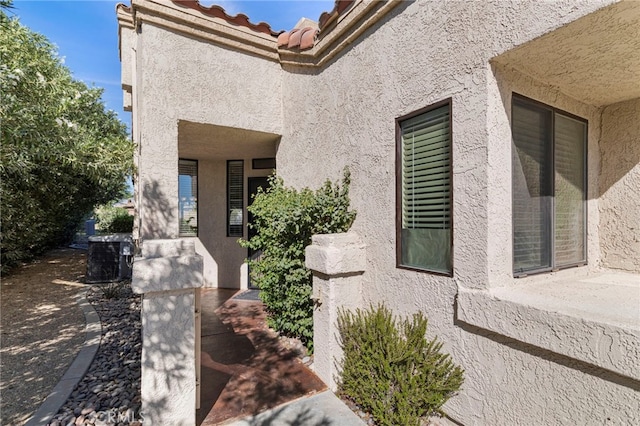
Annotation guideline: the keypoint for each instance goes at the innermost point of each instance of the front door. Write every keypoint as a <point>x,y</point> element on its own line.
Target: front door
<point>253,184</point>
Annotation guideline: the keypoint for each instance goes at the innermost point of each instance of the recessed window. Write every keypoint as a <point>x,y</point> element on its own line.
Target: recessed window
<point>188,197</point>
<point>424,193</point>
<point>235,196</point>
<point>263,163</point>
<point>549,187</point>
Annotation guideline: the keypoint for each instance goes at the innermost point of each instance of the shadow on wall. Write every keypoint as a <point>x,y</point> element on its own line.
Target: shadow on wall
<point>158,213</point>
<point>168,331</point>
<point>547,355</point>
<point>619,146</point>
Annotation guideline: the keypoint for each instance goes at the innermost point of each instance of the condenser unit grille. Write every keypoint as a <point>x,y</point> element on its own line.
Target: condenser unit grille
<point>103,262</point>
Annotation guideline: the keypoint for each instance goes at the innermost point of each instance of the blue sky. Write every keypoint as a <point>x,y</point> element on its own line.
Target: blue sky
<point>86,33</point>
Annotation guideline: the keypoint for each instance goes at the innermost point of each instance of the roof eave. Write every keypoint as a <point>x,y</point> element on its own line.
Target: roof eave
<point>191,22</point>
<point>339,32</point>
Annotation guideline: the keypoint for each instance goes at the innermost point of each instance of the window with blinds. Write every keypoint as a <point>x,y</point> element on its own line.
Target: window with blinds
<point>424,189</point>
<point>549,187</point>
<point>188,198</point>
<point>235,197</point>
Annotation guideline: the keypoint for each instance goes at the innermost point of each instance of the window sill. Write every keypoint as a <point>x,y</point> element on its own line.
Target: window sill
<point>594,319</point>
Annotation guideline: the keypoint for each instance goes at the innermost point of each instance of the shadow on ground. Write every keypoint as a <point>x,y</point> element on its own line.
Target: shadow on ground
<point>245,368</point>
<point>41,329</point>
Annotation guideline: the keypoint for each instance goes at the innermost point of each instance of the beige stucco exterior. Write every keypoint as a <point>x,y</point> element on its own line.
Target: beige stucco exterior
<point>620,174</point>
<point>212,123</point>
<point>544,349</point>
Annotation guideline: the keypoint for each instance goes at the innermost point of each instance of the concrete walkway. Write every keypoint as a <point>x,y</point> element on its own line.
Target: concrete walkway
<point>324,409</point>
<point>250,378</point>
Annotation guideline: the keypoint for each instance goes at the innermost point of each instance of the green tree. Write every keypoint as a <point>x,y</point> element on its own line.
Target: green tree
<point>62,153</point>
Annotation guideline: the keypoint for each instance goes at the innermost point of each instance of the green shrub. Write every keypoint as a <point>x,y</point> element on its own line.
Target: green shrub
<point>112,219</point>
<point>391,370</point>
<point>285,219</point>
<point>121,223</point>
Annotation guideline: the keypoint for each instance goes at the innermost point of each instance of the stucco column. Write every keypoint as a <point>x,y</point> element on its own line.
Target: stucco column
<point>337,262</point>
<point>168,275</point>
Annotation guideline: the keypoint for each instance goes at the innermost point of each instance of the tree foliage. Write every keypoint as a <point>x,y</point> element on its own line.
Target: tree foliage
<point>285,219</point>
<point>62,153</point>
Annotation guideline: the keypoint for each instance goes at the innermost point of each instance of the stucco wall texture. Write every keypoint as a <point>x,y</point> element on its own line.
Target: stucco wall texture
<point>619,182</point>
<point>216,86</point>
<point>507,382</point>
<point>343,114</point>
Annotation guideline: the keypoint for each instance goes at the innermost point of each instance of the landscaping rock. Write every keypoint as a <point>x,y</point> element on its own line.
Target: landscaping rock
<point>109,393</point>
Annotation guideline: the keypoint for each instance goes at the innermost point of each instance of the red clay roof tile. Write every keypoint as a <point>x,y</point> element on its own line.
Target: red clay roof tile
<point>338,9</point>
<point>294,38</point>
<point>308,38</point>
<point>302,39</point>
<point>283,39</point>
<point>219,12</point>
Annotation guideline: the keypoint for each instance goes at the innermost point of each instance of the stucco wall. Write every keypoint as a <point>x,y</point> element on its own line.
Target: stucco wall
<point>343,114</point>
<point>181,78</point>
<point>507,382</point>
<point>619,182</point>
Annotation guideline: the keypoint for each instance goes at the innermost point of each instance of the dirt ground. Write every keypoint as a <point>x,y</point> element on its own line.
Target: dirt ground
<point>41,330</point>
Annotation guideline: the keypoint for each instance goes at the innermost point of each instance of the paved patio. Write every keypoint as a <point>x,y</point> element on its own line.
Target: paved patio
<point>245,368</point>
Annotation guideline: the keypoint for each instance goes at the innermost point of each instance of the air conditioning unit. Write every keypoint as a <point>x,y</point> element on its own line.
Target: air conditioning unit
<point>109,258</point>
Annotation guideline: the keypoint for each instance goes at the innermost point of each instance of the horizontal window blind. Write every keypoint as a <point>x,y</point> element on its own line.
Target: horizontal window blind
<point>531,187</point>
<point>235,197</point>
<point>570,190</point>
<point>188,197</point>
<point>549,189</point>
<point>426,168</point>
<point>425,186</point>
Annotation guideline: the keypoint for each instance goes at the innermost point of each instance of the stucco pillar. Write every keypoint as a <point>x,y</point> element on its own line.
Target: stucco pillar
<point>337,262</point>
<point>168,275</point>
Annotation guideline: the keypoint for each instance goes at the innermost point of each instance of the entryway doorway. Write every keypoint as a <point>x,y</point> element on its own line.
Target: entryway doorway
<point>253,183</point>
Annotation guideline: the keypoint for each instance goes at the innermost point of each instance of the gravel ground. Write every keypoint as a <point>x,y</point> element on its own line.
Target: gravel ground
<point>109,394</point>
<point>42,330</point>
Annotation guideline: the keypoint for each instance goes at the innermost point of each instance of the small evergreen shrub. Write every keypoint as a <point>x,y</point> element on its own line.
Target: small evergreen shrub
<point>285,219</point>
<point>112,220</point>
<point>391,370</point>
<point>121,224</point>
